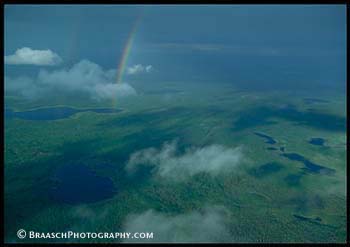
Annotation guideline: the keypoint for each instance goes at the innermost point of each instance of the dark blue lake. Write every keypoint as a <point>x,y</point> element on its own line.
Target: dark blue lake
<point>309,166</point>
<point>53,113</point>
<point>271,148</point>
<point>269,139</point>
<point>317,141</point>
<point>75,184</point>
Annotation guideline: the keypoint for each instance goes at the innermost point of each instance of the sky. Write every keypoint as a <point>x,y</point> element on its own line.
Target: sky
<point>251,46</point>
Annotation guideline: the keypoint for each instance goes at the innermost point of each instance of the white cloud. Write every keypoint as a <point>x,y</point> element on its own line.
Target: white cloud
<point>209,225</point>
<point>110,91</point>
<point>213,159</point>
<point>149,68</point>
<point>139,68</point>
<point>24,86</point>
<point>26,55</point>
<point>84,78</point>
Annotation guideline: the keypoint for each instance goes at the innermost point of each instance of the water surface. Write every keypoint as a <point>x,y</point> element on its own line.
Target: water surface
<point>53,113</point>
<point>269,139</point>
<point>77,183</point>
<point>271,148</point>
<point>309,166</point>
<point>317,141</point>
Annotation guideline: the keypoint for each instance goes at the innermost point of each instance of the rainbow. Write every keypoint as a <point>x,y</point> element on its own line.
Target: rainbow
<point>126,52</point>
<point>125,55</point>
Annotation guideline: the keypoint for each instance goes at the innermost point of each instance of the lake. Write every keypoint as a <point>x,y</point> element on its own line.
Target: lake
<point>271,148</point>
<point>309,166</point>
<point>269,139</point>
<point>53,113</point>
<point>317,141</point>
<point>75,184</point>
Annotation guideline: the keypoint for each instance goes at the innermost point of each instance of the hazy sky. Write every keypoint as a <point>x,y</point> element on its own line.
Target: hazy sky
<point>272,45</point>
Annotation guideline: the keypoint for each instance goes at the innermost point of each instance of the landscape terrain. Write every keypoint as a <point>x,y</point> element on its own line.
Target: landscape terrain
<point>68,165</point>
<point>185,123</point>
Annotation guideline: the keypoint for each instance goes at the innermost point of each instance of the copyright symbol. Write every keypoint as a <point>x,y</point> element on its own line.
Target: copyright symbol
<point>21,233</point>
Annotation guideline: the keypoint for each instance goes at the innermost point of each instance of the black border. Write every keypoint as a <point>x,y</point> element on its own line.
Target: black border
<point>178,2</point>
<point>151,2</point>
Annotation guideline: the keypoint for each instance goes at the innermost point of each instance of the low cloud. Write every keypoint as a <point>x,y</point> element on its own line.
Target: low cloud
<point>26,55</point>
<point>208,225</point>
<point>213,159</point>
<point>84,78</point>
<point>24,86</point>
<point>139,68</point>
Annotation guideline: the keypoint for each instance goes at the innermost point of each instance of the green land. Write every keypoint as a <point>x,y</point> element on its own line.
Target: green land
<point>271,203</point>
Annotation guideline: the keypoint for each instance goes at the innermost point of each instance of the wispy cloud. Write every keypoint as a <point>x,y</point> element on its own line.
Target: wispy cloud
<point>207,225</point>
<point>84,78</point>
<point>27,55</point>
<point>213,159</point>
<point>139,68</point>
